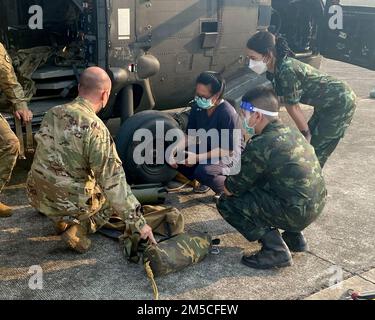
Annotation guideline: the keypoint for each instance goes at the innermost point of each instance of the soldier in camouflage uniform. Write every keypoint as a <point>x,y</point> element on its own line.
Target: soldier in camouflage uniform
<point>280,185</point>
<point>77,178</point>
<point>9,144</point>
<point>334,101</point>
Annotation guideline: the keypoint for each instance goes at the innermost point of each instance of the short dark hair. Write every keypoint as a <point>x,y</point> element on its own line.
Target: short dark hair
<point>265,98</point>
<point>214,80</point>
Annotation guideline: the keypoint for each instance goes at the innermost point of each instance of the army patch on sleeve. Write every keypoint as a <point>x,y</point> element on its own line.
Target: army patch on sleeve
<point>7,58</point>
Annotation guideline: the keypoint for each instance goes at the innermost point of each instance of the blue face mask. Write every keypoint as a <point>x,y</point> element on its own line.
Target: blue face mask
<point>250,130</point>
<point>204,103</point>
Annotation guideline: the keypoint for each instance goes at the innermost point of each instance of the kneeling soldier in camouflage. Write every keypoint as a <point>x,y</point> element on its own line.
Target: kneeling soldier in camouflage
<point>77,178</point>
<point>280,185</point>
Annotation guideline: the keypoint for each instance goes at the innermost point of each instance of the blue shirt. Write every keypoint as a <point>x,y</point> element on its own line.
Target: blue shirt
<point>224,117</point>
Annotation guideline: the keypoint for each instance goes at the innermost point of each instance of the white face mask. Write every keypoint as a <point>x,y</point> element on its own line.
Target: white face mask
<point>258,67</point>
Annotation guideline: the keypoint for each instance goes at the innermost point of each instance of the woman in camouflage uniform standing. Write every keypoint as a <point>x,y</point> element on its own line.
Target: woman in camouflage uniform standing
<point>334,101</point>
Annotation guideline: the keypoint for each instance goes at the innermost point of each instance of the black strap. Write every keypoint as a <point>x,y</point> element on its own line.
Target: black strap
<point>215,242</point>
<point>168,229</point>
<point>134,257</point>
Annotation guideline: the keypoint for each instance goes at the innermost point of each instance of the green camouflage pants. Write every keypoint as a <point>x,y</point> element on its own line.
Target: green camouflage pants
<point>328,126</point>
<point>9,150</point>
<point>256,212</point>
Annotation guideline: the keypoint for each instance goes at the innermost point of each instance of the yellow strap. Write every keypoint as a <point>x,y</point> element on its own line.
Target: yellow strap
<point>185,182</point>
<point>178,188</point>
<point>150,275</point>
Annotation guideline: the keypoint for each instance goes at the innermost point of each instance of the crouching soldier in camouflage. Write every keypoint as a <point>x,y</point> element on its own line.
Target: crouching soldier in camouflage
<point>77,178</point>
<point>280,185</point>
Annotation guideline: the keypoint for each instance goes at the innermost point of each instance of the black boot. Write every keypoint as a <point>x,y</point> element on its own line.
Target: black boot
<point>295,241</point>
<point>274,253</point>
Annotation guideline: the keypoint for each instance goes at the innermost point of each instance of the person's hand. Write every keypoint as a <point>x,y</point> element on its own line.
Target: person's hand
<point>307,135</point>
<point>227,193</point>
<point>191,159</point>
<point>25,115</point>
<point>173,165</point>
<point>172,160</point>
<point>146,233</point>
<point>308,138</point>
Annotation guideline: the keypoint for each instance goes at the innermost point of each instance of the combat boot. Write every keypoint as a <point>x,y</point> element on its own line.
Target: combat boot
<point>5,211</point>
<point>76,238</point>
<point>295,241</point>
<point>60,227</point>
<point>274,253</point>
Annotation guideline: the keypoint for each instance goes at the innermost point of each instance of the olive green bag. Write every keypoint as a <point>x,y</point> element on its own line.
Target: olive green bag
<point>175,250</point>
<point>165,223</point>
<point>177,253</point>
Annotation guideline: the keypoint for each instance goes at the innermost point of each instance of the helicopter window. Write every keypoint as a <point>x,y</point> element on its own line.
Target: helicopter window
<point>209,26</point>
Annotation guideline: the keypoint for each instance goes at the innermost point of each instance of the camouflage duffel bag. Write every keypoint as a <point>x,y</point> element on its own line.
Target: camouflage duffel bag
<point>175,249</point>
<point>165,222</point>
<point>177,253</point>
